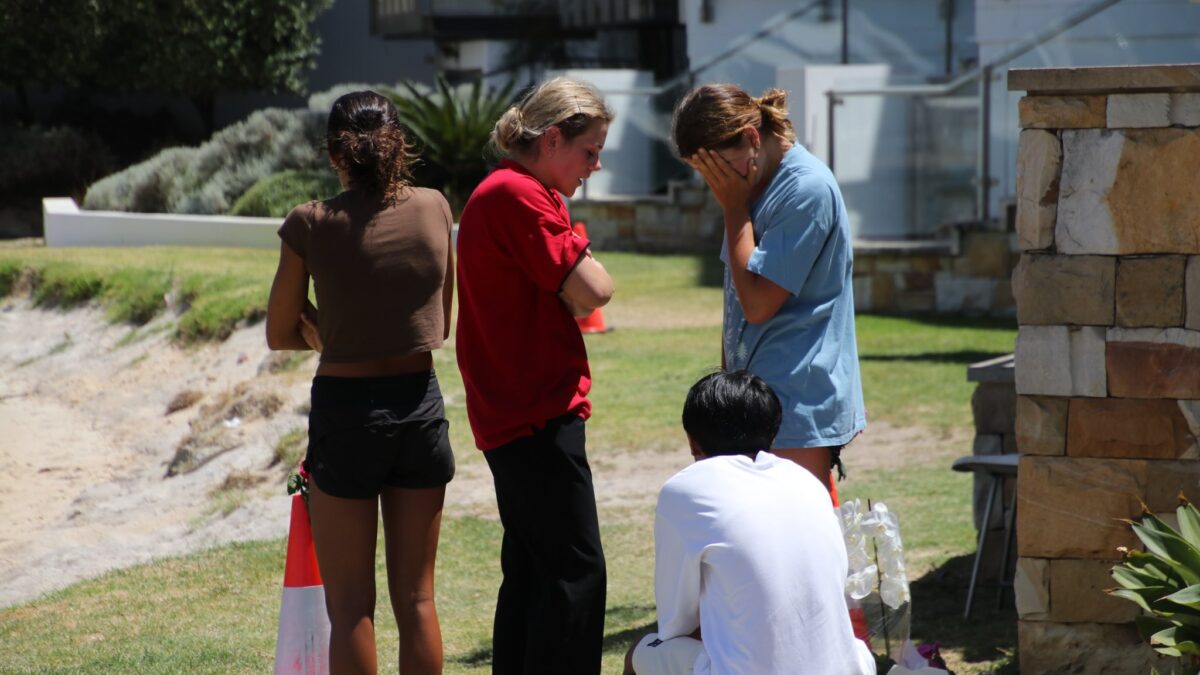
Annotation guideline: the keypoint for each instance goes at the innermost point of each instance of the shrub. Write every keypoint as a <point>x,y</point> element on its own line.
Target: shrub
<point>54,162</point>
<point>209,178</point>
<point>275,195</point>
<point>149,187</point>
<point>451,125</point>
<point>1164,580</point>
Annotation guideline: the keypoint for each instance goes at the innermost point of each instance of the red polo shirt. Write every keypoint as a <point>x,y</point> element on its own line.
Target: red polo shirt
<point>520,351</point>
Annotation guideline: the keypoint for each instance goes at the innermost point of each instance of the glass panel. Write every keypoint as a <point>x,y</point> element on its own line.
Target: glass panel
<point>945,135</point>
<point>906,164</point>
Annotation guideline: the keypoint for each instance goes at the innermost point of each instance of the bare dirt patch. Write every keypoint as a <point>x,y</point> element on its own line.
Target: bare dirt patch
<point>92,422</point>
<point>86,446</point>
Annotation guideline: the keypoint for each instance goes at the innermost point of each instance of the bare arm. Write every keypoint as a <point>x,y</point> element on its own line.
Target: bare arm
<point>588,286</point>
<point>759,297</point>
<point>288,302</point>
<point>448,291</point>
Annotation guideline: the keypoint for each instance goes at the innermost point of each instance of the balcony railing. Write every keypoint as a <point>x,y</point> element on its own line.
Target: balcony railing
<point>463,19</point>
<point>614,13</point>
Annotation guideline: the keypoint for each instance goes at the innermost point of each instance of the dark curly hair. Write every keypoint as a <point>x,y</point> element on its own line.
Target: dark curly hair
<point>364,137</point>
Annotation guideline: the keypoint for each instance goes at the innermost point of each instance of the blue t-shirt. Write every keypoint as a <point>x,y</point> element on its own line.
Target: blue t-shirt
<point>807,351</point>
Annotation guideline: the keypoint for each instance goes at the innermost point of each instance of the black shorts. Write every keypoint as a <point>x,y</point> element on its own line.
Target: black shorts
<point>365,433</point>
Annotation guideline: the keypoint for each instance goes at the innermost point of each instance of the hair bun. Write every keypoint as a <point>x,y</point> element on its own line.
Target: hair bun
<point>773,98</point>
<point>509,129</point>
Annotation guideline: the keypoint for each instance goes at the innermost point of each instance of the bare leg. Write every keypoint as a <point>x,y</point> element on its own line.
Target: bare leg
<point>629,659</point>
<point>344,532</point>
<point>412,520</point>
<point>819,461</point>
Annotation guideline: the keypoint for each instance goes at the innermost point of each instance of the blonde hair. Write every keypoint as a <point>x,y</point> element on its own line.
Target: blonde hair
<point>713,116</point>
<point>569,105</point>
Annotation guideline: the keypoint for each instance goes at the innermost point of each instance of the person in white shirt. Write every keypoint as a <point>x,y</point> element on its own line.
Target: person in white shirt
<point>750,564</point>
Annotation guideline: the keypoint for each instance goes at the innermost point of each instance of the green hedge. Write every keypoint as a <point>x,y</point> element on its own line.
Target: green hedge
<point>274,196</point>
<point>49,162</point>
<point>208,179</point>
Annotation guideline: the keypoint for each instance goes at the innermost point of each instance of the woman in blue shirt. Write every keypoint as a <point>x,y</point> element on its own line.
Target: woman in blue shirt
<point>789,302</point>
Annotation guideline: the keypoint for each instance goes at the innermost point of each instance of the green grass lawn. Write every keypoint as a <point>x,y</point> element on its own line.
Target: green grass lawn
<point>216,611</point>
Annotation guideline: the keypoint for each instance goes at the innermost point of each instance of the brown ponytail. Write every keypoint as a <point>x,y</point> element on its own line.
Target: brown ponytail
<point>365,139</point>
<point>713,116</point>
<point>773,107</point>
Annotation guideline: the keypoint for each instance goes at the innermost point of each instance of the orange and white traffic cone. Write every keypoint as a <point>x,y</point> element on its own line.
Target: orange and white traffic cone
<point>302,647</point>
<point>594,322</point>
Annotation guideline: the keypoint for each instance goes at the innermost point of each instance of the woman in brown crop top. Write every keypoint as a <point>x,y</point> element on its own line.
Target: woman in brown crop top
<point>381,261</point>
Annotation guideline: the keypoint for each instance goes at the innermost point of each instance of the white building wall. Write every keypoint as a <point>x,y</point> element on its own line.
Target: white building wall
<point>1132,32</point>
<point>628,157</point>
<point>869,163</point>
<point>349,53</point>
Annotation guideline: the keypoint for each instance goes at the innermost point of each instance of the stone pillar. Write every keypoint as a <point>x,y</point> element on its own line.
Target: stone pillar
<point>1108,349</point>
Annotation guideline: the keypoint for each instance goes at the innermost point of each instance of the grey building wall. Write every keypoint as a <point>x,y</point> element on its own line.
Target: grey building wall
<point>349,53</point>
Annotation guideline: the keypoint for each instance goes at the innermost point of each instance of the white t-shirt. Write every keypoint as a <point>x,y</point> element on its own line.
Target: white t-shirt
<point>751,551</point>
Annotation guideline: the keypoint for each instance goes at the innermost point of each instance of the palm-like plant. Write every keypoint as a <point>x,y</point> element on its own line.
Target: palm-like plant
<point>1164,580</point>
<point>452,125</point>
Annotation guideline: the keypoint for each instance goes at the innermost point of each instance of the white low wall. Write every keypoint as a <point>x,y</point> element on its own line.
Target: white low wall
<point>67,225</point>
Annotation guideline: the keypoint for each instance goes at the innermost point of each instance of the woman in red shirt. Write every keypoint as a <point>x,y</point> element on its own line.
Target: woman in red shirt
<point>523,277</point>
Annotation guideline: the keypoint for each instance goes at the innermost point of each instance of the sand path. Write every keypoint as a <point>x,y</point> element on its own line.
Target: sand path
<point>85,442</point>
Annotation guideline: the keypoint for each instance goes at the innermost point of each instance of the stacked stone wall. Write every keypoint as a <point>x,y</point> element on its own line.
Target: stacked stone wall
<point>967,272</point>
<point>1108,349</point>
<point>685,220</point>
<point>964,272</point>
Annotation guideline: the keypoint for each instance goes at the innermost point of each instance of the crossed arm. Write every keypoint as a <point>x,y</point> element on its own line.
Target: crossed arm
<point>588,287</point>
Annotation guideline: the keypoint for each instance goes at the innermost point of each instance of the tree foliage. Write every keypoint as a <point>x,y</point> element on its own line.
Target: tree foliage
<point>197,48</point>
<point>37,48</point>
<point>211,46</point>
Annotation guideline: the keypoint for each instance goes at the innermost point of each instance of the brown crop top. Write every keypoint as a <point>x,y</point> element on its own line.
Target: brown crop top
<point>378,274</point>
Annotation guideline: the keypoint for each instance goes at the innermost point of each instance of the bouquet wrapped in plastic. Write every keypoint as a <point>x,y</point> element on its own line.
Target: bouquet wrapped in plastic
<point>877,585</point>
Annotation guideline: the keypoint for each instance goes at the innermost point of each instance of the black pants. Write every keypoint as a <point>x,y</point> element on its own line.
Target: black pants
<point>550,611</point>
